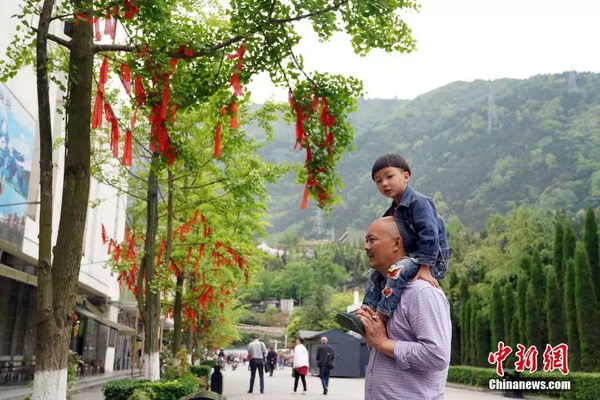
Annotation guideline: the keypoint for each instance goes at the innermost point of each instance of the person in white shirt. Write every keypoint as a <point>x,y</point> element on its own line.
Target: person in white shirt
<point>300,364</point>
<point>257,351</point>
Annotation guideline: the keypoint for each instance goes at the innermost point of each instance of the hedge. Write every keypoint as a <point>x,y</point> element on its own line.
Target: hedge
<point>584,386</point>
<point>162,390</point>
<point>201,371</point>
<point>122,389</point>
<point>212,363</point>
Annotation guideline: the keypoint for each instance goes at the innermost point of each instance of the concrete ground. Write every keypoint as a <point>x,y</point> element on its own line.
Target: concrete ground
<point>278,387</point>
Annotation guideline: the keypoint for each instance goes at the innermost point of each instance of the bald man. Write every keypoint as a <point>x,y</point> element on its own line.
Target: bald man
<point>410,354</point>
<point>325,357</point>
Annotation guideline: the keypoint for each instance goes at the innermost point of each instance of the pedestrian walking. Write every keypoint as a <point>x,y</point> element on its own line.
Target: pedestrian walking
<point>300,365</point>
<point>325,357</point>
<point>257,351</point>
<point>271,360</point>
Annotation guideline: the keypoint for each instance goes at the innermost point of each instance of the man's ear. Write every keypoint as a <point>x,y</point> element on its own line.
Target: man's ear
<point>397,243</point>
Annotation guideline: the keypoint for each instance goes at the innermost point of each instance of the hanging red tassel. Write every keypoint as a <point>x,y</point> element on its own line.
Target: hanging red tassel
<point>127,151</point>
<point>108,24</point>
<point>160,252</point>
<point>103,74</point>
<point>104,238</point>
<point>140,92</point>
<point>173,112</point>
<point>173,63</point>
<point>97,29</point>
<point>218,140</point>
<point>189,255</point>
<point>114,129</point>
<point>126,77</point>
<point>235,82</point>
<point>304,197</point>
<point>134,117</point>
<point>97,115</point>
<point>113,32</point>
<point>234,117</point>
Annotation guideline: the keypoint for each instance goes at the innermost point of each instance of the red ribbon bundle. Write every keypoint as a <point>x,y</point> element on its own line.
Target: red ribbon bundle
<point>303,141</point>
<point>130,9</point>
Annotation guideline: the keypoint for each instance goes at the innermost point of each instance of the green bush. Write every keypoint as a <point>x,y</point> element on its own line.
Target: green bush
<point>584,386</point>
<point>121,389</point>
<point>163,390</point>
<point>201,370</point>
<point>173,390</point>
<point>212,363</point>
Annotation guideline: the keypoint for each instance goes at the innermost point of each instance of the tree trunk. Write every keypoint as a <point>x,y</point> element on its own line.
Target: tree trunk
<point>179,287</point>
<point>55,307</point>
<point>177,315</point>
<point>149,302</point>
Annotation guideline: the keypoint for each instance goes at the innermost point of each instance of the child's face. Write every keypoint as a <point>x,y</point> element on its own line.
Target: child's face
<point>392,182</point>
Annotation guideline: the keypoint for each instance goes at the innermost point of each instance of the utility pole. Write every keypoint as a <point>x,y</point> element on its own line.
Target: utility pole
<point>319,226</point>
<point>492,119</point>
<point>573,81</point>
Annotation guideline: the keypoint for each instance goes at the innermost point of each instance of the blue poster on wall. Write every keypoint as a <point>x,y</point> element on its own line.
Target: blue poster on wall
<point>17,134</point>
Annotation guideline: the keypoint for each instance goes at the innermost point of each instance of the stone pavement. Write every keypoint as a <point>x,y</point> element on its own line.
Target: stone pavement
<point>278,387</point>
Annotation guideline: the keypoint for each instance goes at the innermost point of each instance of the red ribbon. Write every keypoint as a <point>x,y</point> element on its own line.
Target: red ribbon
<point>103,74</point>
<point>189,255</point>
<point>97,29</point>
<point>233,108</point>
<point>160,252</point>
<point>97,114</point>
<point>130,9</point>
<point>114,129</point>
<point>237,87</point>
<point>104,239</point>
<point>217,141</point>
<point>140,93</point>
<point>108,24</point>
<point>126,77</point>
<point>127,151</point>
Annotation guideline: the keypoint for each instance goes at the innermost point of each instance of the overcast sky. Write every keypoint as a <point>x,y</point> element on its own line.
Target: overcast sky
<point>464,40</point>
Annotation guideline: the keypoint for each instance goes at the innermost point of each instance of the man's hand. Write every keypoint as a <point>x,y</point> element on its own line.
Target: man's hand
<point>375,333</point>
<point>425,274</point>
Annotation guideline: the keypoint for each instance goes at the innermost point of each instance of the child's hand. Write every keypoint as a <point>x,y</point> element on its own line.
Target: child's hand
<point>425,274</point>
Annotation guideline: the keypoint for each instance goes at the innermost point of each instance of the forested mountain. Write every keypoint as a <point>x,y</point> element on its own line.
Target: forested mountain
<point>484,146</point>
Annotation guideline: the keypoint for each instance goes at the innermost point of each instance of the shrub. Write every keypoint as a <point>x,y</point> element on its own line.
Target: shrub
<point>121,389</point>
<point>202,371</point>
<point>212,363</point>
<point>163,390</point>
<point>583,385</point>
<point>173,390</point>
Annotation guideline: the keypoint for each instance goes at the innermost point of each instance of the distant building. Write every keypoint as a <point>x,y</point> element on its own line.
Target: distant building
<point>287,306</point>
<point>356,238</point>
<point>269,250</point>
<point>351,353</point>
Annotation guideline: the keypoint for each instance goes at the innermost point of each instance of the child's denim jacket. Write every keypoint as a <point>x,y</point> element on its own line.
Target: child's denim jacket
<point>422,228</point>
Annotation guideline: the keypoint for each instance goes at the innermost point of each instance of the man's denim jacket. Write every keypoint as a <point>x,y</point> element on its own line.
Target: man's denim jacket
<point>421,227</point>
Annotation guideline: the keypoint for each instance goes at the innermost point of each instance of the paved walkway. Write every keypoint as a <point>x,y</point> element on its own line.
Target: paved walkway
<point>278,387</point>
<point>236,383</point>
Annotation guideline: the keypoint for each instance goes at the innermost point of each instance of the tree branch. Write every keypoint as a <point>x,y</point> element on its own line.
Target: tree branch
<point>309,15</point>
<point>56,39</point>
<point>211,50</point>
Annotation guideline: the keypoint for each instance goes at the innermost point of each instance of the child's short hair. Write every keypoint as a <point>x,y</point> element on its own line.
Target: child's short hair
<point>389,160</point>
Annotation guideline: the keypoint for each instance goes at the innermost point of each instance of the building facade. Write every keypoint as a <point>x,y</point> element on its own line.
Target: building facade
<point>98,308</point>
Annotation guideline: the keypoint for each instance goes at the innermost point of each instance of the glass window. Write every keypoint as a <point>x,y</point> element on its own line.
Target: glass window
<point>11,317</point>
<point>23,314</point>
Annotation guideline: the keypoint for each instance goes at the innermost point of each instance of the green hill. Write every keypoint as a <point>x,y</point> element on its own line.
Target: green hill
<point>543,148</point>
